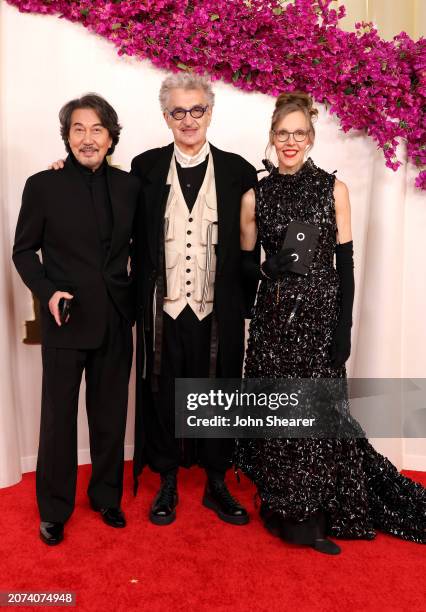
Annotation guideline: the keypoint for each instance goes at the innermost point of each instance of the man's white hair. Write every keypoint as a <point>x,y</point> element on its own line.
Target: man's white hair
<point>187,81</point>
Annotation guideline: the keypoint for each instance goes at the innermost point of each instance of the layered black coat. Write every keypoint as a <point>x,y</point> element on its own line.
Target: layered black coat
<point>233,297</point>
<point>58,218</point>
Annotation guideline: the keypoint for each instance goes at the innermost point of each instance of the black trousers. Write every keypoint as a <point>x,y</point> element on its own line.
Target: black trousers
<point>185,354</point>
<point>107,371</point>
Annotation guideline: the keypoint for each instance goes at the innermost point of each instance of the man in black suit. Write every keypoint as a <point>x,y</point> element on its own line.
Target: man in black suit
<point>190,293</point>
<point>81,219</point>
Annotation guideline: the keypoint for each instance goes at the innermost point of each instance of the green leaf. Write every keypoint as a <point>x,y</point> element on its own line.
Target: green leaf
<point>214,17</point>
<point>116,26</point>
<point>316,61</point>
<point>277,10</point>
<point>84,12</point>
<point>403,124</point>
<point>349,90</point>
<point>236,75</point>
<point>182,66</point>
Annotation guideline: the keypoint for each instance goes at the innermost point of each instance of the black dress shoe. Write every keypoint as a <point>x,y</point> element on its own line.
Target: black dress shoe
<point>218,498</point>
<point>326,546</point>
<point>163,509</point>
<point>311,532</point>
<point>114,517</point>
<point>51,533</point>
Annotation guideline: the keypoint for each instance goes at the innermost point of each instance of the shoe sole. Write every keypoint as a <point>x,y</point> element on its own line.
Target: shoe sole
<point>227,518</point>
<point>162,520</point>
<point>113,524</point>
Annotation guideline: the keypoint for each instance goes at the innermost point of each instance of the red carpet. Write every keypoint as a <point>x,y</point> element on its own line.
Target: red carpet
<point>199,562</point>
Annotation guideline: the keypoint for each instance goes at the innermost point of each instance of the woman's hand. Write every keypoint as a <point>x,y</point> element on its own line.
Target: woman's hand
<point>276,266</point>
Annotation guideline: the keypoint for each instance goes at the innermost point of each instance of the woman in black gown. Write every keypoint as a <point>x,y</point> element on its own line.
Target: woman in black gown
<point>301,328</point>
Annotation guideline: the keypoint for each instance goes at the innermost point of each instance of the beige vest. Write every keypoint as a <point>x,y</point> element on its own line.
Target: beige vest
<point>190,239</point>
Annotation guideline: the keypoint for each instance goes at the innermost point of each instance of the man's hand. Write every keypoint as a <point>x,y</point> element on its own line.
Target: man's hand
<point>57,165</point>
<point>53,304</point>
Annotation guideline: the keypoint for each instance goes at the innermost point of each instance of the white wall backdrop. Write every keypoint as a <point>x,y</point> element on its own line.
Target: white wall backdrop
<point>43,63</point>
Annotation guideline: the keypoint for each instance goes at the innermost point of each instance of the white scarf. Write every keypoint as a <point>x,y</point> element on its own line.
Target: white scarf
<point>188,161</point>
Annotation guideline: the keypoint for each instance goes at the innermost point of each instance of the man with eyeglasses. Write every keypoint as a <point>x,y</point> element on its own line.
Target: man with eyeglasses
<point>190,294</point>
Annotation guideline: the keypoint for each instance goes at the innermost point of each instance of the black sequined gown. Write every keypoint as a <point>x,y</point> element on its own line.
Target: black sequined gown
<point>290,336</point>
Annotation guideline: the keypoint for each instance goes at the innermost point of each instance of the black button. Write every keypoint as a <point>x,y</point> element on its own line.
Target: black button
<point>188,295</point>
<point>190,219</point>
<point>189,232</point>
<point>188,270</point>
<point>188,245</point>
<point>188,282</point>
<point>188,257</point>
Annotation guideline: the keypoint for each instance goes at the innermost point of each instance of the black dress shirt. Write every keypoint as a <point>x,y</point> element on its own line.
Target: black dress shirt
<point>98,187</point>
<point>190,180</point>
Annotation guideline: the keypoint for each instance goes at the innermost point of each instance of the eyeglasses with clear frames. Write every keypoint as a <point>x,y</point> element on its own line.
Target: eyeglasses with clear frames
<point>284,135</point>
<point>196,112</point>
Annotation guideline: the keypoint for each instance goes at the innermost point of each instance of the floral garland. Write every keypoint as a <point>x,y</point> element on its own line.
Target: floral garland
<point>276,45</point>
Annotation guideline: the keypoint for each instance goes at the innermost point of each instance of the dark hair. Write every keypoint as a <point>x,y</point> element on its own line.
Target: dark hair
<point>104,110</point>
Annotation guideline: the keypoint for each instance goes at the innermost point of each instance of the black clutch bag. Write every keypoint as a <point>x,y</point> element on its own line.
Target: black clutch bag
<point>303,239</point>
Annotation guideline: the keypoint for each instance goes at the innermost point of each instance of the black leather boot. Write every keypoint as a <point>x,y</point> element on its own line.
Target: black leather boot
<point>218,498</point>
<point>163,509</point>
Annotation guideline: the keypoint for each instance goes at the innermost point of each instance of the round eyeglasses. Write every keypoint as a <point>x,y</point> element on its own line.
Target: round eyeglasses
<point>196,112</point>
<point>284,135</point>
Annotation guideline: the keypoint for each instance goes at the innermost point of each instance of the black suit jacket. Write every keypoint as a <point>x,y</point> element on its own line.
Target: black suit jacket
<point>233,295</point>
<point>57,217</point>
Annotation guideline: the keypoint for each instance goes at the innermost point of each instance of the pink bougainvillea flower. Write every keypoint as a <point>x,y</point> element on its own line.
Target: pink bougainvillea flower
<point>269,46</point>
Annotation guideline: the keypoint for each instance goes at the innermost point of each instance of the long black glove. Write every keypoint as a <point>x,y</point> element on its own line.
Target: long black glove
<point>272,268</point>
<point>341,343</point>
